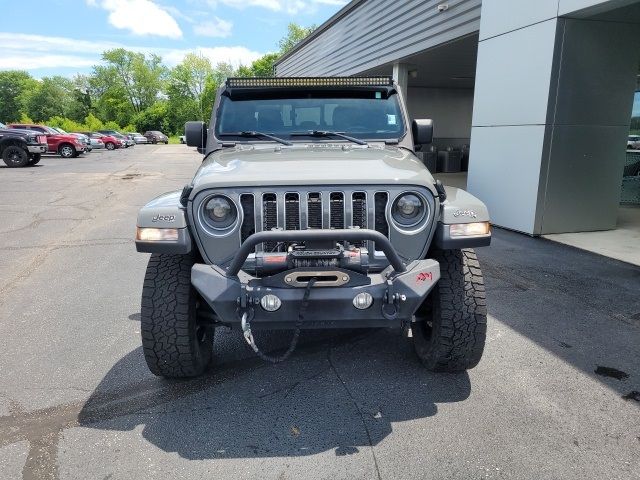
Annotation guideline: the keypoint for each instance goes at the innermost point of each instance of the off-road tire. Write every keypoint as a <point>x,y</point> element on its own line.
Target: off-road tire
<point>14,156</point>
<point>67,150</point>
<point>451,326</point>
<point>175,345</point>
<point>34,159</point>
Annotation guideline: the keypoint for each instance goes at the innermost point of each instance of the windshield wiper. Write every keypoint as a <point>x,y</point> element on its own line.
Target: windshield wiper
<point>256,134</point>
<point>326,133</point>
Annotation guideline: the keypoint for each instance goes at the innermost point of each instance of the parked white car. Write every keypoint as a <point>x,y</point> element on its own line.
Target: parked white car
<point>633,142</point>
<point>183,139</point>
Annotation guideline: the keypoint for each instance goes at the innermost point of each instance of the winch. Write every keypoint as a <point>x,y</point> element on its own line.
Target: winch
<point>301,256</point>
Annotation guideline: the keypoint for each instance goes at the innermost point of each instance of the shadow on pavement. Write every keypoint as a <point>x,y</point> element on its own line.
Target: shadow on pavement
<point>341,391</point>
<point>582,307</point>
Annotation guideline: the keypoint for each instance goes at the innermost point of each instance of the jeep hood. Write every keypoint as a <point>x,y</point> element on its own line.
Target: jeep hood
<point>318,164</point>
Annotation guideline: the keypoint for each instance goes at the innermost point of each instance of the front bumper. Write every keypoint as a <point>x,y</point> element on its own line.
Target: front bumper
<point>37,148</point>
<point>397,292</point>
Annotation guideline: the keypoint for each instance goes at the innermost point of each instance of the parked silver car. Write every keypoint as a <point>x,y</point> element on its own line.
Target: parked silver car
<point>96,141</point>
<point>138,137</point>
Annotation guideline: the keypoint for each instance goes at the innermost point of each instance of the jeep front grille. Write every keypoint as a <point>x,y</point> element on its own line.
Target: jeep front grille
<point>303,209</point>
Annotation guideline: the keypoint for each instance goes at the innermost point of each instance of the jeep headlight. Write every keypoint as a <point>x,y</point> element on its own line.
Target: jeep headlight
<point>408,209</point>
<point>220,212</point>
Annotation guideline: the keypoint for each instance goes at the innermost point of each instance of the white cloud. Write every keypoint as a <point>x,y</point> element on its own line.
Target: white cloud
<point>289,6</point>
<point>26,52</point>
<point>236,56</point>
<point>141,17</point>
<point>23,41</point>
<point>17,60</point>
<point>216,27</point>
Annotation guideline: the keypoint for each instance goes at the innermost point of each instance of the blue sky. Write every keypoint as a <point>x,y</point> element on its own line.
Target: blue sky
<point>50,37</point>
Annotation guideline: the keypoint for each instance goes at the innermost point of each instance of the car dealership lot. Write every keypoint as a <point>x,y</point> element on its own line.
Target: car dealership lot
<point>77,400</point>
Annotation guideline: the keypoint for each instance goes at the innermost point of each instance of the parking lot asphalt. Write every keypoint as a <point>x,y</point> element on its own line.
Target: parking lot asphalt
<point>553,396</point>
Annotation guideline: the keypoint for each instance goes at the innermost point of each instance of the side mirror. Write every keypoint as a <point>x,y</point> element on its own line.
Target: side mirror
<point>422,131</point>
<point>196,134</point>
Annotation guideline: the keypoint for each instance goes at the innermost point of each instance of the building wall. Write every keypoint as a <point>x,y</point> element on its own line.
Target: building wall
<point>551,111</point>
<point>451,108</point>
<point>376,32</point>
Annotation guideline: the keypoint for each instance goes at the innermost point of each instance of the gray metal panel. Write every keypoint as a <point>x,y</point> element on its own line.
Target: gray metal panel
<point>378,32</point>
<point>597,77</point>
<point>504,171</point>
<point>501,16</point>
<point>590,7</point>
<point>513,77</point>
<point>582,190</point>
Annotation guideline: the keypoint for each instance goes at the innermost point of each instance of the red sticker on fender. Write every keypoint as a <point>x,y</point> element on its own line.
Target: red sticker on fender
<point>424,276</point>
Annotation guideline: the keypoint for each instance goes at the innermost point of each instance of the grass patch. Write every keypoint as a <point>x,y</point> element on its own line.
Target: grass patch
<point>174,139</point>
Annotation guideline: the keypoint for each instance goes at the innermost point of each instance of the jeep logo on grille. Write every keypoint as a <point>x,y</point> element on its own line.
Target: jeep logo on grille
<point>163,218</point>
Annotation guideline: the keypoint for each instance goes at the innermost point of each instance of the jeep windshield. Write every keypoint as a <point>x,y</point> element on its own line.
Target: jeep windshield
<point>300,115</point>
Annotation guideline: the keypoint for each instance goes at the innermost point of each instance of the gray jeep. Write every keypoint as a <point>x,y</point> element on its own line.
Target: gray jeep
<point>311,210</point>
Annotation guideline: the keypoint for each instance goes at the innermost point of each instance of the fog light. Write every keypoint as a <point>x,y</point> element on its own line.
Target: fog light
<point>362,300</point>
<point>469,229</point>
<point>157,234</point>
<point>270,303</point>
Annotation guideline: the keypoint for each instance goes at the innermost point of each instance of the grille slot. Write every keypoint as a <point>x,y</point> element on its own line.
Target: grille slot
<point>380,207</point>
<point>359,209</point>
<point>336,210</point>
<point>269,217</point>
<point>249,220</point>
<point>314,210</point>
<point>292,211</point>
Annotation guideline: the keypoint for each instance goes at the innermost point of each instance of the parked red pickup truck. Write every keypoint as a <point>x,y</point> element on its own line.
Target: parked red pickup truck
<point>65,145</point>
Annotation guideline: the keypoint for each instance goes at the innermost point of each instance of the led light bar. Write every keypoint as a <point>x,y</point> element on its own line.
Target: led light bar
<point>261,82</point>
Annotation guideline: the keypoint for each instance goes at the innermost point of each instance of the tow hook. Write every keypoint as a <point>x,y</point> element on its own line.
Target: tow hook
<point>391,302</point>
<point>245,304</point>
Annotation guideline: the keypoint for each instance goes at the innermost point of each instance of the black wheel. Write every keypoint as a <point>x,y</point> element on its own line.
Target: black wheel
<point>450,327</point>
<point>175,344</point>
<point>67,150</point>
<point>35,158</point>
<point>15,156</point>
<point>110,146</point>
<point>154,141</point>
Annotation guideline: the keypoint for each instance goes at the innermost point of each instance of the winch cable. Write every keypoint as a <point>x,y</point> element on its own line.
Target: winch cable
<point>248,336</point>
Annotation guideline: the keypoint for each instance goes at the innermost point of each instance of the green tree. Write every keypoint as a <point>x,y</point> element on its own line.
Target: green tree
<point>79,98</point>
<point>51,98</point>
<point>295,33</point>
<point>15,86</point>
<point>153,118</point>
<point>262,67</point>
<point>189,80</point>
<point>126,84</point>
